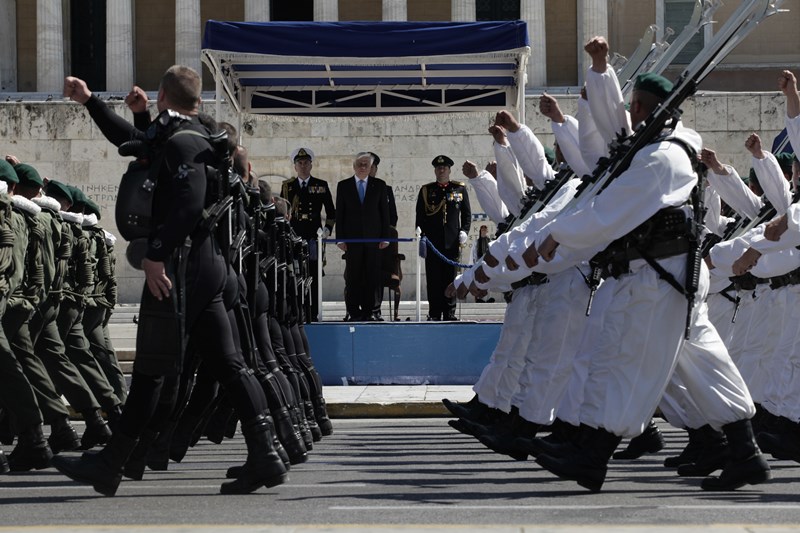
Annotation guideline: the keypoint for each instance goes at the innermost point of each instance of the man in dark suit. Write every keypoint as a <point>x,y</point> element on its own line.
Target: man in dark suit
<point>444,216</point>
<point>362,213</point>
<point>307,196</point>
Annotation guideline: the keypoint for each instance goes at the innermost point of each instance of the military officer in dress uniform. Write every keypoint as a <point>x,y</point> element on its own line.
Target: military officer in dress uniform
<point>444,216</point>
<point>307,196</point>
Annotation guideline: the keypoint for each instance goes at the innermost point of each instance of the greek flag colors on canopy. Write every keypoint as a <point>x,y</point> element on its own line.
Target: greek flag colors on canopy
<point>368,68</point>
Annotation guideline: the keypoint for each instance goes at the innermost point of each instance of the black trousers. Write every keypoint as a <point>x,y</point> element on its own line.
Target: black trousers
<point>211,337</point>
<point>438,275</point>
<point>362,279</point>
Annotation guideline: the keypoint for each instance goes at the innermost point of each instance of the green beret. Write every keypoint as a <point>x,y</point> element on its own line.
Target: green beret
<point>440,160</point>
<point>7,172</point>
<point>92,208</point>
<point>785,161</point>
<point>550,155</point>
<point>654,84</point>
<point>78,198</point>
<point>28,175</point>
<point>58,190</point>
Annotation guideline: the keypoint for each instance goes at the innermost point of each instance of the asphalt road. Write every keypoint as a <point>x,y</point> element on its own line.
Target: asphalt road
<point>399,472</point>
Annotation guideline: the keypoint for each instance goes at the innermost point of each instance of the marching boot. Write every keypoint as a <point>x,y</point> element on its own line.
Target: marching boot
<point>4,468</point>
<point>587,466</point>
<point>323,420</point>
<point>158,457</point>
<point>689,454</point>
<point>472,410</point>
<point>182,436</point>
<point>746,465</point>
<point>302,424</point>
<point>313,427</point>
<point>292,440</point>
<point>112,417</point>
<point>783,444</point>
<point>263,466</point>
<point>31,452</point>
<point>561,440</point>
<point>480,425</point>
<point>236,471</point>
<point>650,441</point>
<point>63,437</point>
<point>103,469</point>
<point>711,456</point>
<point>135,465</point>
<point>501,439</point>
<point>96,431</point>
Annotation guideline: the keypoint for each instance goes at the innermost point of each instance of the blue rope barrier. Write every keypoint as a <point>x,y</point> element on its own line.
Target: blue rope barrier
<point>424,240</point>
<point>368,240</point>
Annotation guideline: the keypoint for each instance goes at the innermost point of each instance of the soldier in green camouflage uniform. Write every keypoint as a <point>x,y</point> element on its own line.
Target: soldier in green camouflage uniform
<point>100,302</point>
<point>16,394</point>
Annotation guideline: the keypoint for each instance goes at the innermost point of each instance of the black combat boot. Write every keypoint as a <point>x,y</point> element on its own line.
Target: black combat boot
<point>96,432</point>
<point>103,469</point>
<point>137,460</point>
<point>292,440</point>
<point>689,454</point>
<point>746,465</point>
<point>562,439</point>
<point>31,452</point>
<point>321,413</point>
<point>4,468</point>
<point>471,410</point>
<point>311,418</point>
<point>502,437</point>
<point>236,471</point>
<point>589,464</point>
<point>783,443</point>
<point>299,418</point>
<point>711,456</point>
<point>650,441</point>
<point>480,424</point>
<point>263,467</point>
<point>63,437</point>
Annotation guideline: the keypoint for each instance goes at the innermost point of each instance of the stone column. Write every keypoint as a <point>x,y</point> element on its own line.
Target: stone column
<point>326,10</point>
<point>592,21</point>
<point>395,10</point>
<point>187,33</point>
<point>8,45</point>
<point>119,45</point>
<point>532,12</point>
<point>256,10</point>
<point>49,46</point>
<point>462,10</point>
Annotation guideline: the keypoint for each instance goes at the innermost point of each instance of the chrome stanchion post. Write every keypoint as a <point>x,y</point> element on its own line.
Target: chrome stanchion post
<point>320,233</point>
<point>417,235</point>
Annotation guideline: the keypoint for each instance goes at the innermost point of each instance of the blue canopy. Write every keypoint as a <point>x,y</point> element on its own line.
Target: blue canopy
<point>352,68</point>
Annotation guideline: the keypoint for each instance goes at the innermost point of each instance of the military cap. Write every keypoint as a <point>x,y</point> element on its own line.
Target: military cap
<point>7,172</point>
<point>654,84</point>
<point>375,159</point>
<point>440,160</point>
<point>56,189</point>
<point>91,208</point>
<point>550,155</point>
<point>302,153</point>
<point>78,197</point>
<point>785,161</point>
<point>28,175</point>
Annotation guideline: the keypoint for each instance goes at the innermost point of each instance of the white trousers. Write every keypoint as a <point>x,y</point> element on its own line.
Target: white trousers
<point>782,370</point>
<point>753,347</point>
<point>500,377</point>
<point>556,335</point>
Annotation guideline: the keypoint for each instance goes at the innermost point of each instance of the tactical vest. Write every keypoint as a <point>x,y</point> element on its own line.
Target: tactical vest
<point>79,276</point>
<point>28,286</point>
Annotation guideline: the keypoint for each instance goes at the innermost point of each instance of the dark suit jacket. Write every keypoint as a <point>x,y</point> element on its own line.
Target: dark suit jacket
<point>307,206</point>
<point>355,220</point>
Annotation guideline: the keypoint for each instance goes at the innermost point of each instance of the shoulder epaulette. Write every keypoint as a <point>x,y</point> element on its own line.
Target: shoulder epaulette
<point>457,183</point>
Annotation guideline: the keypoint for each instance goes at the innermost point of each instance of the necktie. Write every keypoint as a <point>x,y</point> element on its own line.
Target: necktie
<point>361,190</point>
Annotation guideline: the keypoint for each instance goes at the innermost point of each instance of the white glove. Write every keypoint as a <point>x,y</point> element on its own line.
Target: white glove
<point>462,237</point>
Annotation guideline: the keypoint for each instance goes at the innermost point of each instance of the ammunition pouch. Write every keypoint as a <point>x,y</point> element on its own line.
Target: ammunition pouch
<point>790,278</point>
<point>747,282</point>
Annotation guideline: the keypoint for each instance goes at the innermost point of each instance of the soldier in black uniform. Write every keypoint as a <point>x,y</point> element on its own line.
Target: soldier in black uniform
<point>307,196</point>
<point>444,216</point>
<point>183,192</point>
